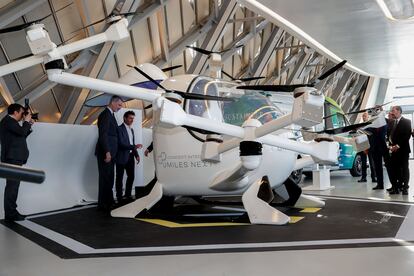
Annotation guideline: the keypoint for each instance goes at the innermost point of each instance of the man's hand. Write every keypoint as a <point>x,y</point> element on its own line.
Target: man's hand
<point>138,146</point>
<point>108,157</point>
<point>138,159</point>
<point>146,153</point>
<point>394,148</point>
<point>28,118</point>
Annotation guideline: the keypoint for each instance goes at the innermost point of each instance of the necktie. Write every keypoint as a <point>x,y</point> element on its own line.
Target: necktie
<point>394,126</point>
<point>133,136</point>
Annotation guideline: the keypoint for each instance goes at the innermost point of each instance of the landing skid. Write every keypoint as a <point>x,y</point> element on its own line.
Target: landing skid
<point>144,203</point>
<point>258,210</point>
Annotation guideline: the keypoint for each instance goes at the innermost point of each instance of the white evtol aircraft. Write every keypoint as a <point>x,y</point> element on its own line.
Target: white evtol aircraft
<point>233,159</point>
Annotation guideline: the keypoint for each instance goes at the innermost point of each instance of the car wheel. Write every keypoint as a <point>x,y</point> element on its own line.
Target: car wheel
<point>356,170</point>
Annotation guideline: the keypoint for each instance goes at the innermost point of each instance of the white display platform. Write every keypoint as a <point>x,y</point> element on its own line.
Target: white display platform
<point>321,180</point>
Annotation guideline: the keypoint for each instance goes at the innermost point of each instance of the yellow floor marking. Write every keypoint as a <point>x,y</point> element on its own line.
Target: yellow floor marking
<point>294,219</point>
<point>310,210</point>
<point>171,224</point>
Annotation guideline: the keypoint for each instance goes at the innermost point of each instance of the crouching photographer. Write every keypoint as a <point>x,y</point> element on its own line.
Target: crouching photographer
<point>14,129</point>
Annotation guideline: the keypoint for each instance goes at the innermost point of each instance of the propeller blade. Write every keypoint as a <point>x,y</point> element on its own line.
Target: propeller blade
<point>228,49</point>
<point>202,51</point>
<point>171,68</point>
<point>272,88</point>
<point>344,129</point>
<point>89,25</point>
<point>329,116</point>
<point>192,96</point>
<point>228,75</point>
<point>251,78</point>
<point>332,70</point>
<point>188,96</point>
<point>15,28</point>
<point>367,109</point>
<point>129,13</point>
<point>148,77</point>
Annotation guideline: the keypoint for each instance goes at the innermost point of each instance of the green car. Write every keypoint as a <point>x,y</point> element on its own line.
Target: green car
<point>348,159</point>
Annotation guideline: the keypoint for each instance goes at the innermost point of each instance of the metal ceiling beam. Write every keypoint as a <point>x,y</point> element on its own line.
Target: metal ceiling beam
<point>287,64</point>
<point>300,64</point>
<point>266,51</point>
<point>16,10</point>
<point>354,98</point>
<point>162,30</point>
<point>5,93</point>
<point>243,39</point>
<point>101,64</point>
<point>339,89</point>
<point>212,40</point>
<point>178,47</point>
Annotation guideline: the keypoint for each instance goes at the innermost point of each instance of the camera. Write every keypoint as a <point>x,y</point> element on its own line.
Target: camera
<point>35,116</point>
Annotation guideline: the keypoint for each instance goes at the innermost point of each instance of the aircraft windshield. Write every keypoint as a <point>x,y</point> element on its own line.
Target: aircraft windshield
<point>248,105</point>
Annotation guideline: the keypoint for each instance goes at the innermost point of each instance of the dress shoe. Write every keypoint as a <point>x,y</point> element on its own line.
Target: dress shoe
<point>378,188</point>
<point>362,180</point>
<point>374,180</point>
<point>390,189</point>
<point>405,192</point>
<point>394,192</point>
<point>17,217</point>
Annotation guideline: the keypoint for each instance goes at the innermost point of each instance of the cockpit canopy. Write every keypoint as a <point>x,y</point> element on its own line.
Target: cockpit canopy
<point>248,104</point>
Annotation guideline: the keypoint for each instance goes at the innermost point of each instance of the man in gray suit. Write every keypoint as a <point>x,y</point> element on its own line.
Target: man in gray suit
<point>14,151</point>
<point>105,151</point>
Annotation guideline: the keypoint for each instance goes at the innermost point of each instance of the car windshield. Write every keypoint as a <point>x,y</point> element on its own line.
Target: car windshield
<point>247,104</point>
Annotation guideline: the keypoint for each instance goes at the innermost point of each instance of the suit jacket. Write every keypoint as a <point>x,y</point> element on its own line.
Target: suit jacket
<point>377,138</point>
<point>401,135</point>
<point>13,141</point>
<point>108,134</point>
<point>124,146</point>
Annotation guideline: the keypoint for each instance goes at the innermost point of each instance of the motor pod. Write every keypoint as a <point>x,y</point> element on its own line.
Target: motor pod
<point>307,107</point>
<point>250,154</point>
<point>39,40</point>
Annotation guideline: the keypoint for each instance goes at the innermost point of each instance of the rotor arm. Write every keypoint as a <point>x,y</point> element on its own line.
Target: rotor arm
<point>321,152</point>
<point>123,90</point>
<point>20,65</point>
<point>303,162</point>
<point>115,32</point>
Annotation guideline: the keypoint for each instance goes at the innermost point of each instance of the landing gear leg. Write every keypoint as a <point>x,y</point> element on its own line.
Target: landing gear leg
<point>258,208</point>
<point>134,208</point>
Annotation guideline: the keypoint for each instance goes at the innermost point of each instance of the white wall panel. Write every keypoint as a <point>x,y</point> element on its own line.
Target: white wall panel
<point>66,154</point>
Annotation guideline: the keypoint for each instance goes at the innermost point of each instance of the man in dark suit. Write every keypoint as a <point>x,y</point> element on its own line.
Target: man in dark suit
<point>14,151</point>
<point>105,151</point>
<point>399,147</point>
<point>126,156</point>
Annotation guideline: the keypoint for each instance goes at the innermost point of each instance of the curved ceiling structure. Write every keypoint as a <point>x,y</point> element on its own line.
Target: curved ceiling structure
<point>355,30</point>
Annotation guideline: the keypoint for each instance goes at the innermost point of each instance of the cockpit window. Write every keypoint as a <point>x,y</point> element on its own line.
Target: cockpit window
<point>248,104</point>
<point>200,107</point>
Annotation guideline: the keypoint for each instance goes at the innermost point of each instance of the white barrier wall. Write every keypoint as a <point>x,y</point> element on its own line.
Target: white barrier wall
<point>66,154</point>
